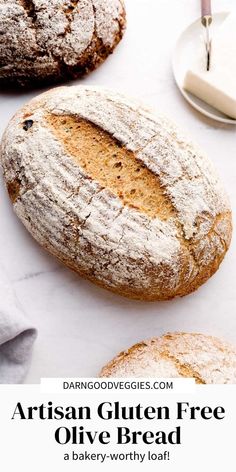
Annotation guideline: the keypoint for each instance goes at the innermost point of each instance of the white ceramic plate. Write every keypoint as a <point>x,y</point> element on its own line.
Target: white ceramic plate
<point>184,50</point>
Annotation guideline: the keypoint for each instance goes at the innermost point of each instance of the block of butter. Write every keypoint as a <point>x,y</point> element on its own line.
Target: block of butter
<point>217,87</point>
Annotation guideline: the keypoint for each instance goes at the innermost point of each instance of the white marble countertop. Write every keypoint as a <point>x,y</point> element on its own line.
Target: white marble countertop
<point>80,326</point>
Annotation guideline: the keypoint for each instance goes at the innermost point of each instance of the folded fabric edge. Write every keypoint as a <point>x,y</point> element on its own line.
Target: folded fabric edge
<point>15,356</point>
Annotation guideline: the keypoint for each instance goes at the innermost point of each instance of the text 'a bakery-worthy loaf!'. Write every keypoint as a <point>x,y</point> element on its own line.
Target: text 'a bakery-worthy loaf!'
<point>207,359</point>
<point>116,193</point>
<point>53,40</point>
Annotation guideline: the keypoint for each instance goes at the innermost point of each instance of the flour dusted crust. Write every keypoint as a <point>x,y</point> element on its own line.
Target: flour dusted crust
<point>116,193</point>
<point>48,40</point>
<point>207,359</point>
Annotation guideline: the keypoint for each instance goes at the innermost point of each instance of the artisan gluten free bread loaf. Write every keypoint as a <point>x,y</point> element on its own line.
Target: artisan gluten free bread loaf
<point>205,358</point>
<point>51,40</point>
<point>116,193</point>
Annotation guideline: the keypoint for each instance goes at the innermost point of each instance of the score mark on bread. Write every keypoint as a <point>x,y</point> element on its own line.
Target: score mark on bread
<point>114,167</point>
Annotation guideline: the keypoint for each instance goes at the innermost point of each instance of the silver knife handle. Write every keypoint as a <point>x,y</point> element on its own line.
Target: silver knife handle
<point>206,8</point>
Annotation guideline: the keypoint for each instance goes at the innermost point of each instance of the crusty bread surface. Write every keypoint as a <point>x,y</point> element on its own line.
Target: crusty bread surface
<point>207,359</point>
<point>52,40</point>
<point>116,192</point>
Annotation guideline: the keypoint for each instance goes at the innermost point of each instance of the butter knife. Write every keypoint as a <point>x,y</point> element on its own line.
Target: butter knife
<point>206,22</point>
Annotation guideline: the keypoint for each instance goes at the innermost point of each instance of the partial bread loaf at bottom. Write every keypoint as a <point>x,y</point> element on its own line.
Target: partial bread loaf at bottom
<point>205,358</point>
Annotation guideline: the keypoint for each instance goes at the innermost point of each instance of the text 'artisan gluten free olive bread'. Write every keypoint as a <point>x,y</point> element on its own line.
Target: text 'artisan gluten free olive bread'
<point>116,193</point>
<point>207,359</point>
<point>50,40</point>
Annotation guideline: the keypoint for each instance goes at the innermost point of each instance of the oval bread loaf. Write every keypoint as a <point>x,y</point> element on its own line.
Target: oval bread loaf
<point>205,358</point>
<point>116,193</point>
<point>51,40</point>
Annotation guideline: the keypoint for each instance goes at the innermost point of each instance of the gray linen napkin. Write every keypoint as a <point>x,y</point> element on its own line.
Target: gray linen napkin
<point>17,337</point>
